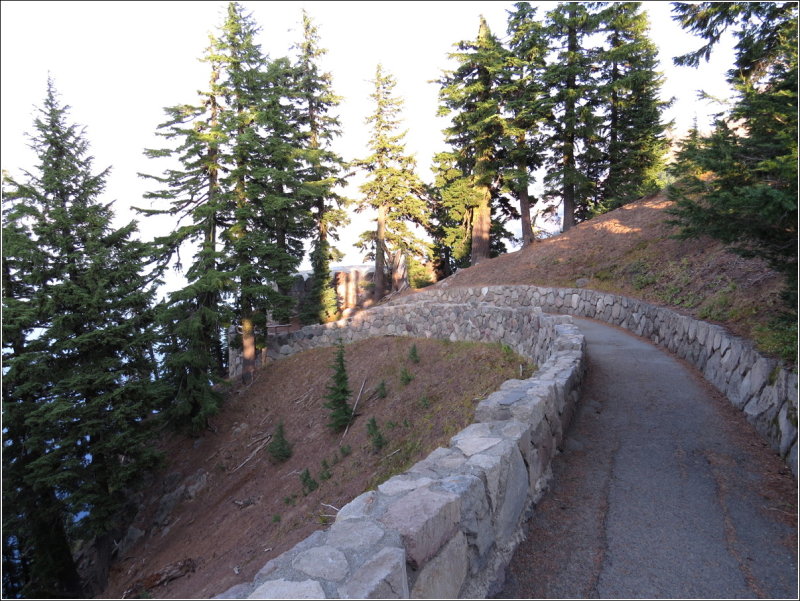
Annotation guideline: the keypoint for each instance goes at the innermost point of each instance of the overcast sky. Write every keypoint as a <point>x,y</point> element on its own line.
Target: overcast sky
<point>117,64</point>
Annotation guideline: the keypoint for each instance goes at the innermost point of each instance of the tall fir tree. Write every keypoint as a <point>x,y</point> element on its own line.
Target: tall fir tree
<point>470,93</point>
<point>316,101</point>
<point>78,390</point>
<point>739,184</point>
<point>244,182</point>
<point>266,179</point>
<point>525,102</point>
<point>451,199</point>
<point>392,188</point>
<point>575,124</point>
<point>194,317</point>
<point>636,144</point>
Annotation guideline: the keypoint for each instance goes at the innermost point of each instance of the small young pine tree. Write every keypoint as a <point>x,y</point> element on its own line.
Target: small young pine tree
<point>413,356</point>
<point>338,393</point>
<point>308,482</point>
<point>375,436</point>
<point>279,448</point>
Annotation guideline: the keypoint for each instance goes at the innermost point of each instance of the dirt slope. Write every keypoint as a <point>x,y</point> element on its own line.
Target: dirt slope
<point>631,251</point>
<point>238,510</point>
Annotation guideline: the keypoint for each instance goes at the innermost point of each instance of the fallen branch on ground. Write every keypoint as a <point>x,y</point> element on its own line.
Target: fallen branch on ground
<point>253,454</point>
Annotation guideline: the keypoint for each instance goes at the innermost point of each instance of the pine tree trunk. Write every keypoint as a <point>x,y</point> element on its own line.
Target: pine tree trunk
<point>525,207</point>
<point>380,259</point>
<point>248,346</point>
<point>481,226</point>
<point>52,551</point>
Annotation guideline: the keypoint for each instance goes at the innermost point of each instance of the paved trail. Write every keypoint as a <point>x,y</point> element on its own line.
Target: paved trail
<point>663,491</point>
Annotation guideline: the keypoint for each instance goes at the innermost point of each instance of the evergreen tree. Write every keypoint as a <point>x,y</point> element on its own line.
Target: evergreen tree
<point>392,188</point>
<point>279,448</point>
<point>748,198</point>
<point>573,84</point>
<point>524,99</point>
<point>451,199</point>
<point>244,184</point>
<point>193,318</point>
<point>471,93</point>
<point>636,145</point>
<point>78,391</point>
<point>316,100</point>
<point>339,393</point>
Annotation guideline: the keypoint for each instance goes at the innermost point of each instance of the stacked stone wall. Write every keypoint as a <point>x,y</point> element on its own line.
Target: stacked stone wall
<point>448,526</point>
<point>757,385</point>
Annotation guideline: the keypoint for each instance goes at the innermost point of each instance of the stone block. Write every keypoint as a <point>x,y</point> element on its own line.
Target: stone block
<point>402,484</point>
<point>425,520</point>
<point>287,589</point>
<point>354,534</point>
<point>476,522</point>
<point>238,591</point>
<point>382,577</point>
<point>363,506</point>
<point>439,463</point>
<point>787,424</point>
<point>444,575</point>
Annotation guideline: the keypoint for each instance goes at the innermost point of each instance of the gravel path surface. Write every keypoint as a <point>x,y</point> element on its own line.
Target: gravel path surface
<point>662,491</point>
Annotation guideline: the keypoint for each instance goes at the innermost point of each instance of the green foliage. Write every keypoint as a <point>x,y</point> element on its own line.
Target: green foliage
<point>315,102</point>
<point>779,338</point>
<point>381,390</point>
<point>739,184</point>
<point>79,380</point>
<point>325,471</point>
<point>636,147</point>
<point>392,187</point>
<point>279,448</point>
<point>405,377</point>
<point>425,402</point>
<point>308,483</point>
<point>470,96</point>
<point>338,393</point>
<point>276,518</point>
<point>290,500</point>
<point>375,436</point>
<point>345,450</point>
<point>413,356</point>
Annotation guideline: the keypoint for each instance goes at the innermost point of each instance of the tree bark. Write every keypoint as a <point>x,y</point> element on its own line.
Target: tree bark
<point>481,227</point>
<point>380,259</point>
<point>248,347</point>
<point>525,208</point>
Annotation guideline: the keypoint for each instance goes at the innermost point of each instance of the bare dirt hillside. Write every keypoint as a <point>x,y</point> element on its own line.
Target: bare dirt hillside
<point>220,509</point>
<point>632,251</point>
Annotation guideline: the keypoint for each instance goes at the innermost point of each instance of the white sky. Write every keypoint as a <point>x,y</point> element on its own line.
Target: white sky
<point>117,64</point>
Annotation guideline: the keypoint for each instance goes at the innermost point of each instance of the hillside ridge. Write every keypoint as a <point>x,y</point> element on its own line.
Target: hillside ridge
<point>633,251</point>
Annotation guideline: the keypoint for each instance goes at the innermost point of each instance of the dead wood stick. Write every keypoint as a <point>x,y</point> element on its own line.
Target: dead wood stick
<point>353,414</point>
<point>257,439</point>
<point>253,454</point>
<point>390,454</point>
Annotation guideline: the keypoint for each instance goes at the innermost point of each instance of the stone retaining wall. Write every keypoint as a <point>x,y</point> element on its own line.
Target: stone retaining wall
<point>757,385</point>
<point>448,526</point>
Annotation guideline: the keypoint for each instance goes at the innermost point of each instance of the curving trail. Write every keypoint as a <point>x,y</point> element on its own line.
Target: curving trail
<point>662,491</point>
